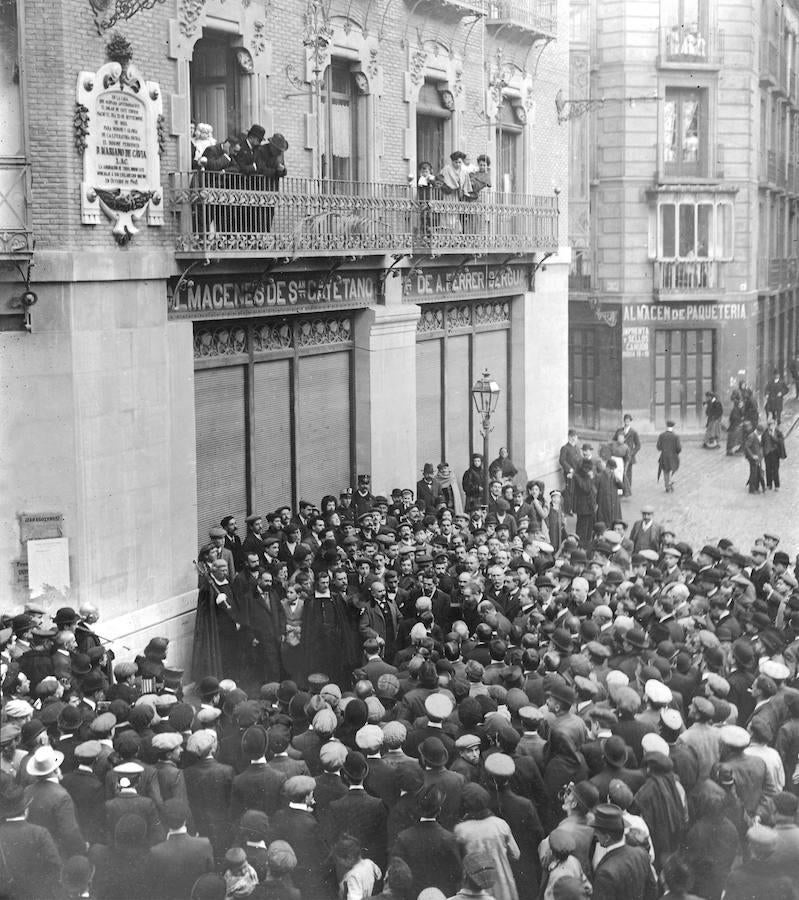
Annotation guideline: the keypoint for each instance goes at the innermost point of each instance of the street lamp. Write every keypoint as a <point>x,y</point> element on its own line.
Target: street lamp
<point>485,394</point>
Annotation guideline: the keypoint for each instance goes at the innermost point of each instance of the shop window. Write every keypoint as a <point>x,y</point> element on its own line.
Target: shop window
<point>432,126</point>
<point>343,126</point>
<point>695,230</point>
<point>685,132</point>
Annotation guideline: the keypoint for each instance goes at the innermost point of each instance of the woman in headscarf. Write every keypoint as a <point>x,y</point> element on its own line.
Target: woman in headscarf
<point>455,183</point>
<point>661,803</point>
<point>445,485</point>
<point>480,831</point>
<point>565,766</point>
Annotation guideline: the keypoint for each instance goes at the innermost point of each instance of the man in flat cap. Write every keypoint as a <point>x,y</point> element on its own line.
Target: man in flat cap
<point>208,786</point>
<point>756,878</point>
<point>87,792</point>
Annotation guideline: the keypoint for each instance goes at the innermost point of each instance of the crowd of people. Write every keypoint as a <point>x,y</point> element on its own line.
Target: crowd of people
<point>405,698</point>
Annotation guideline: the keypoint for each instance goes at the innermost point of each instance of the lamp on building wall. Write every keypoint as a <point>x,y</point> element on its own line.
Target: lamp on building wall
<point>108,12</point>
<point>485,394</point>
<point>573,109</point>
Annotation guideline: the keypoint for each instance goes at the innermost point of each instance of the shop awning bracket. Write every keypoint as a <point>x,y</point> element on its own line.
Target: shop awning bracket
<point>331,274</point>
<point>184,278</point>
<point>534,267</point>
<point>266,274</point>
<point>389,272</point>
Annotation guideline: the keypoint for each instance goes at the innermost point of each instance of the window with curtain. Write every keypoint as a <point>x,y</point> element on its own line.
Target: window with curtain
<point>685,23</point>
<point>340,121</point>
<point>685,133</point>
<point>509,146</point>
<point>432,121</point>
<point>695,230</point>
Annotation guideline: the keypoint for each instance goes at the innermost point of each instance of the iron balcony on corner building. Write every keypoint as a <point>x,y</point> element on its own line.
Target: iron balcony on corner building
<point>238,216</point>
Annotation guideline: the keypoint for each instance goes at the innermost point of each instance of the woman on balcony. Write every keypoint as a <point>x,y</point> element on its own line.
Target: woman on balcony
<point>455,182</point>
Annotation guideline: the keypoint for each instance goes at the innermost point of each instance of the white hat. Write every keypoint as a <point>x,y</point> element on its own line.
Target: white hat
<point>657,692</point>
<point>418,632</point>
<point>44,761</point>
<point>617,677</point>
<point>369,738</point>
<point>654,743</point>
<point>18,709</point>
<point>734,736</point>
<point>438,706</point>
<point>671,719</point>
<point>775,670</point>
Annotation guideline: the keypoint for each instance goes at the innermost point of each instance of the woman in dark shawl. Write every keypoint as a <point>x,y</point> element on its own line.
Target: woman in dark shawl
<point>566,765</point>
<point>661,803</point>
<point>356,714</point>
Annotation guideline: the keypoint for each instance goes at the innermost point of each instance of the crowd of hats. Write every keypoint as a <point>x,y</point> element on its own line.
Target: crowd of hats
<point>614,661</point>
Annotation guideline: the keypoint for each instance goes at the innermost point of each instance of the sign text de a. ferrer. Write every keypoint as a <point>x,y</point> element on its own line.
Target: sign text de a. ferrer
<point>212,298</point>
<point>472,282</point>
<point>117,124</point>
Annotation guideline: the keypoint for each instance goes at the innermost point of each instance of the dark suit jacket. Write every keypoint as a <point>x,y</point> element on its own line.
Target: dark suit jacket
<point>208,784</point>
<point>374,668</point>
<point>121,874</point>
<point>314,873</point>
<point>364,817</point>
<point>31,859</point>
<point>452,784</point>
<point>432,855</point>
<point>178,862</point>
<point>670,449</point>
<point>624,872</point>
<point>382,781</point>
<point>329,787</point>
<point>127,804</point>
<point>88,795</point>
<point>50,805</point>
<point>258,787</point>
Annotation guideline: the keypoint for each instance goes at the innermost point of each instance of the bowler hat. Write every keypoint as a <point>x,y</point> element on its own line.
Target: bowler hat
<point>257,131</point>
<point>66,615</point>
<point>432,752</point>
<point>279,142</point>
<point>608,817</point>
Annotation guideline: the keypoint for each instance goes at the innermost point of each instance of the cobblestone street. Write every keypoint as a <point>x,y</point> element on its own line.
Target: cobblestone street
<point>710,499</point>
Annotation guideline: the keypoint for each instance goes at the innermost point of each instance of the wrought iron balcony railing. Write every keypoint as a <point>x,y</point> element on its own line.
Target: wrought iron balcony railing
<point>691,44</point>
<point>535,16</point>
<point>687,276</point>
<point>233,215</point>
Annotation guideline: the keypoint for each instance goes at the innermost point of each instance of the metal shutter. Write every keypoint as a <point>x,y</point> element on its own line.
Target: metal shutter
<point>323,425</point>
<point>458,400</point>
<point>219,398</point>
<point>428,402</point>
<point>271,481</point>
<point>491,352</point>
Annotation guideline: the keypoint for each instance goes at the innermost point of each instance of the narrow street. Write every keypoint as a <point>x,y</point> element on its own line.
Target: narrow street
<point>710,499</point>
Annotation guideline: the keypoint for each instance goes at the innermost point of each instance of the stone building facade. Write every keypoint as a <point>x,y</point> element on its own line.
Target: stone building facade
<point>683,201</point>
<point>237,346</point>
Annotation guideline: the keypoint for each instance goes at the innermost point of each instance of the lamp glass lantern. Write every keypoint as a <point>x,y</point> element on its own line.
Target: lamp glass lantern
<point>485,394</point>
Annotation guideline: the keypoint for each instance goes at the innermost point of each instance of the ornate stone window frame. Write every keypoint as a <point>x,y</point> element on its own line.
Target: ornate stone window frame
<point>247,24</point>
<point>431,60</point>
<point>508,82</point>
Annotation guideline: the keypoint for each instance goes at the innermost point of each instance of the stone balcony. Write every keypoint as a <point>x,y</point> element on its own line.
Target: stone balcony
<point>225,215</point>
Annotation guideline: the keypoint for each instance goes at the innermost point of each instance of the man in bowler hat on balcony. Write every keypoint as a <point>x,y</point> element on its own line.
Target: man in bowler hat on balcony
<point>271,163</point>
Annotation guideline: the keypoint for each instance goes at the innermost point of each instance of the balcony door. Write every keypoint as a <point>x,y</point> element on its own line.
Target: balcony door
<point>509,178</point>
<point>215,90</point>
<point>686,27</point>
<point>685,132</point>
<point>342,125</point>
<point>432,122</point>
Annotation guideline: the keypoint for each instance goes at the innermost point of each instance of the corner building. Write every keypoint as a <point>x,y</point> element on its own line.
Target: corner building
<point>684,122</point>
<point>250,345</point>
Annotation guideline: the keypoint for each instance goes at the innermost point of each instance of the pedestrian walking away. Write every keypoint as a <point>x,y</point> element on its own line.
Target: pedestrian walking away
<point>669,461</point>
